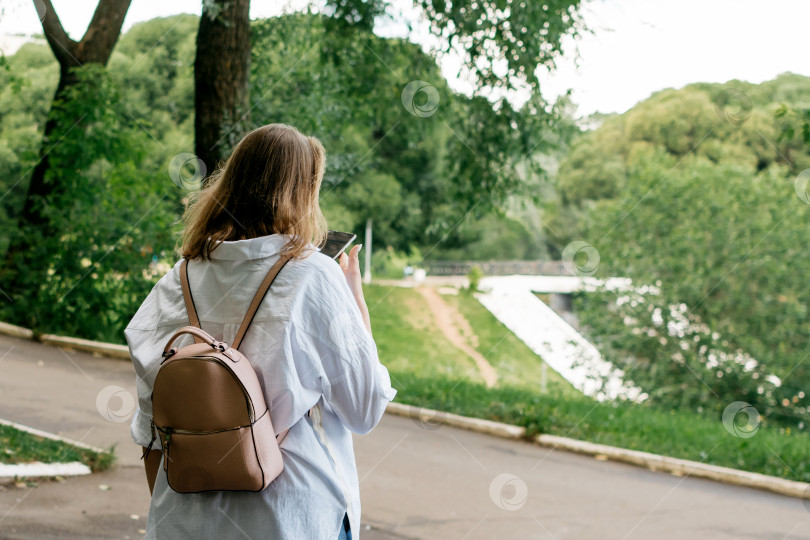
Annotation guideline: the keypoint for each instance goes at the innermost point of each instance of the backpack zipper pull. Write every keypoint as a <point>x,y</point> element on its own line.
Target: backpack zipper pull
<point>151,443</point>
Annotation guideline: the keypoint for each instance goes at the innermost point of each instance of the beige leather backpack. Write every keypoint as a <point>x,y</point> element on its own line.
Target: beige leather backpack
<point>209,409</point>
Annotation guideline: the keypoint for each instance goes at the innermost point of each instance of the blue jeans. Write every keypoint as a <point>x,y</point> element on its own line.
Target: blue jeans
<point>345,533</point>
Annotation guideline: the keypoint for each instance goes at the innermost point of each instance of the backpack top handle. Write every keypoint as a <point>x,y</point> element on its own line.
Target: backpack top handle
<point>254,305</point>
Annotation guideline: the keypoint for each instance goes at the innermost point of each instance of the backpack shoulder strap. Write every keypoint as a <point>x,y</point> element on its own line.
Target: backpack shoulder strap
<point>257,300</point>
<point>192,312</point>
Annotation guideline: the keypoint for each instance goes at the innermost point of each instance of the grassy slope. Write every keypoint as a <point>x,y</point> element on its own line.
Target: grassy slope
<point>428,372</point>
<point>517,365</point>
<point>407,340</point>
<point>21,447</point>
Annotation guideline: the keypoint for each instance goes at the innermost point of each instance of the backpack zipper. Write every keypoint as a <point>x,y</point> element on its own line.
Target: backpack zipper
<point>169,430</point>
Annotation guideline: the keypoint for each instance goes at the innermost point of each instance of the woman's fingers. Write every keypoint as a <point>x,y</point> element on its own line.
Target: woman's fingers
<point>354,254</point>
<point>351,262</point>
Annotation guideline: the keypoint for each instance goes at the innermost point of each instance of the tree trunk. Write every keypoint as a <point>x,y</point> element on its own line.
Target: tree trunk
<point>95,47</point>
<point>221,71</point>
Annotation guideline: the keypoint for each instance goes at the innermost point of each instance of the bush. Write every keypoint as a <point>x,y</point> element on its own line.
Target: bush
<point>474,276</point>
<point>677,360</point>
<point>390,263</point>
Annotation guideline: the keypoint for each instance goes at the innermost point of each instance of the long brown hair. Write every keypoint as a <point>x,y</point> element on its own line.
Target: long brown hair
<point>268,185</point>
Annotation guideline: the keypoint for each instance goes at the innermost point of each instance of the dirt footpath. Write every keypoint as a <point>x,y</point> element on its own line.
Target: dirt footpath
<point>457,331</point>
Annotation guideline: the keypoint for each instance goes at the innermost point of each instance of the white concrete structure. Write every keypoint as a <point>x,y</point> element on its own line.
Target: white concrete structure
<point>553,284</point>
<point>512,300</point>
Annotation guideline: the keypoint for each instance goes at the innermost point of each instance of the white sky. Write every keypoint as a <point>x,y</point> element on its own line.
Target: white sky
<point>638,46</point>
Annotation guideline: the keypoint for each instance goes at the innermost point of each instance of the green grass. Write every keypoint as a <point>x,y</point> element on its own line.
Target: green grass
<point>407,339</point>
<point>429,372</point>
<point>21,447</point>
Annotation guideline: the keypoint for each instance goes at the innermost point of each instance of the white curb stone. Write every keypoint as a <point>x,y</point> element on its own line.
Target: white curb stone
<point>15,331</point>
<point>498,429</point>
<point>107,349</point>
<point>36,469</point>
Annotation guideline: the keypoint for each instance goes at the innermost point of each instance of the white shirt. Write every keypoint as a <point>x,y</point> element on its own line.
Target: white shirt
<point>309,346</point>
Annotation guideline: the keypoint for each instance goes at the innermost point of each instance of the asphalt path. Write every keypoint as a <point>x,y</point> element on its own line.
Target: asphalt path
<point>418,480</point>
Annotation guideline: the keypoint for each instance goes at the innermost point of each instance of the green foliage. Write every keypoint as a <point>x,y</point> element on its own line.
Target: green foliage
<point>474,276</point>
<point>716,238</point>
<point>424,180</point>
<point>107,213</point>
<point>675,358</point>
<point>693,190</point>
<point>390,263</point>
<point>26,90</point>
<point>493,237</point>
<point>732,123</point>
<point>154,65</point>
<point>797,123</point>
<point>429,182</point>
<point>504,42</point>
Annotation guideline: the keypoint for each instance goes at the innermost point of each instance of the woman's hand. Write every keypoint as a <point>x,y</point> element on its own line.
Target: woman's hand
<point>350,264</point>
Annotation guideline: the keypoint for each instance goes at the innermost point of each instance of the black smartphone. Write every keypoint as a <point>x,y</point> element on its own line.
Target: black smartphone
<point>336,243</point>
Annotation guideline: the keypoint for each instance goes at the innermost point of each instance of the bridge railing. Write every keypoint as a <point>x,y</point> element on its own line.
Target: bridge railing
<point>496,268</point>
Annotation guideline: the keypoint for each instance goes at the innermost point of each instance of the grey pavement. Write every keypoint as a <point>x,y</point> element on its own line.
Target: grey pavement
<point>417,480</point>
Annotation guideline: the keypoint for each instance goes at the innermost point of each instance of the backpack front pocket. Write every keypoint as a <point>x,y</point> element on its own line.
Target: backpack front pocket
<point>198,461</point>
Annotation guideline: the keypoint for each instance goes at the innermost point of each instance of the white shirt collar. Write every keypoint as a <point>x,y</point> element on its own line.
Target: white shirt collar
<point>252,248</point>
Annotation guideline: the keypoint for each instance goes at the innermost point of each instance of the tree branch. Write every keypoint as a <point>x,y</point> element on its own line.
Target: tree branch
<point>103,31</point>
<point>62,46</point>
